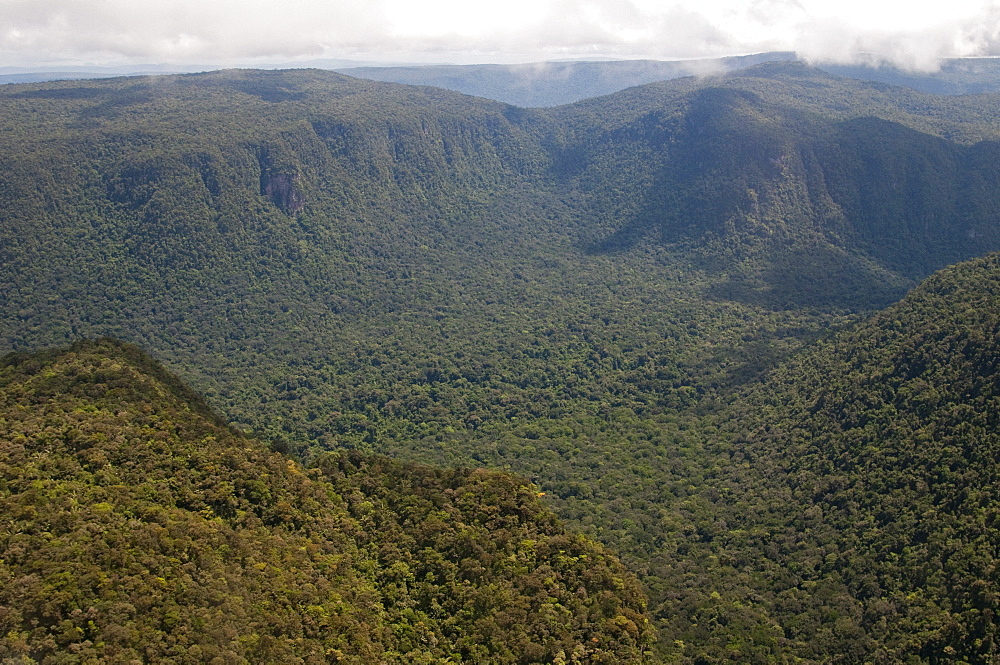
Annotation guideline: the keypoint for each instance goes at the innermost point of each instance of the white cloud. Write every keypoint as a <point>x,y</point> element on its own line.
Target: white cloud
<point>916,42</point>
<point>913,33</point>
<point>185,30</point>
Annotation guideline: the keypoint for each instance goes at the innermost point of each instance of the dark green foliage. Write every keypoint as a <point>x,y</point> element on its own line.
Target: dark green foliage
<point>136,527</point>
<point>854,500</point>
<point>890,434</point>
<point>582,295</point>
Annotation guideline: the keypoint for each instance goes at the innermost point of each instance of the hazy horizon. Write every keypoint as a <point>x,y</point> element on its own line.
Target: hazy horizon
<point>218,33</point>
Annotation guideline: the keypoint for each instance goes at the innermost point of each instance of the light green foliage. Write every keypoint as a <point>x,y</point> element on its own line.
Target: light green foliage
<point>582,295</point>
<point>137,526</point>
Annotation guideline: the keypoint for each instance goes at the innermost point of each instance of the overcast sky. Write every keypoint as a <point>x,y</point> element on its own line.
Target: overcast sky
<point>910,33</point>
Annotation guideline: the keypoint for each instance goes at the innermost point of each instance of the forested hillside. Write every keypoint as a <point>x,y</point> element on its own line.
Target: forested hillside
<point>347,262</point>
<point>138,527</point>
<point>851,498</point>
<point>587,295</point>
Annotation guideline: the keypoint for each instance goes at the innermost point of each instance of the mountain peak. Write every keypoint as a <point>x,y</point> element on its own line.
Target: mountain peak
<point>136,529</point>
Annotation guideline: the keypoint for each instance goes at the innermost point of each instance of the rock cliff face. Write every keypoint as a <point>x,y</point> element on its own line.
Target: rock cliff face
<point>281,189</point>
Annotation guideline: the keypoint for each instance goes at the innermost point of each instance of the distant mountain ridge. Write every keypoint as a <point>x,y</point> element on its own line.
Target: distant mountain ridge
<point>956,76</point>
<point>545,84</point>
<point>555,83</point>
<point>577,294</point>
<point>247,207</point>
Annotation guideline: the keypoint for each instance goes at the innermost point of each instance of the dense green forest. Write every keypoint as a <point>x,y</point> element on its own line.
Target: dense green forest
<point>333,259</point>
<point>853,493</point>
<point>616,299</point>
<point>138,526</point>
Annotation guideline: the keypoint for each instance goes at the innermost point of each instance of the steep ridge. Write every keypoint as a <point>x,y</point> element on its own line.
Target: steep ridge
<point>888,436</point>
<point>414,260</point>
<point>802,200</point>
<point>857,504</point>
<point>137,526</point>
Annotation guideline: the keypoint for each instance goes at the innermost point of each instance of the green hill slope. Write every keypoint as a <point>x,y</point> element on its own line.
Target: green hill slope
<point>854,495</point>
<point>138,527</point>
<point>889,436</point>
<point>301,244</point>
<point>565,293</point>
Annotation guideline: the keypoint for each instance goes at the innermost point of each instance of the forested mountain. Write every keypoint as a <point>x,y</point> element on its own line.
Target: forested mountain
<point>553,83</point>
<point>391,262</point>
<point>137,526</point>
<point>583,295</point>
<point>888,435</point>
<point>852,496</point>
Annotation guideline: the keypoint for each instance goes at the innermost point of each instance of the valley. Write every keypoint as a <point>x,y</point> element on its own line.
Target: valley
<point>669,308</point>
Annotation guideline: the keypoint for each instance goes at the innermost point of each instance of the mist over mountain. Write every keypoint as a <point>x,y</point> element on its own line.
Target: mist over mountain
<point>955,76</point>
<point>600,296</point>
<point>553,83</point>
<point>545,84</point>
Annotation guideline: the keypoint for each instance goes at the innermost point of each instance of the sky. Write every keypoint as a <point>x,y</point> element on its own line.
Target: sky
<point>913,34</point>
